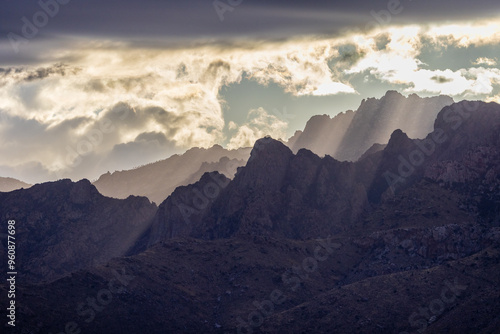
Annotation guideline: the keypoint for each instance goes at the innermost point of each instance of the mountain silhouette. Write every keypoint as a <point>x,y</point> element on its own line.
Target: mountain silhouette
<point>405,239</point>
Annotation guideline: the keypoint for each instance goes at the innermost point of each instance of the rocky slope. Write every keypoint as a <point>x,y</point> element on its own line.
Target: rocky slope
<point>348,135</point>
<point>182,213</point>
<point>260,284</point>
<point>63,226</point>
<point>459,297</point>
<point>322,134</point>
<point>277,194</point>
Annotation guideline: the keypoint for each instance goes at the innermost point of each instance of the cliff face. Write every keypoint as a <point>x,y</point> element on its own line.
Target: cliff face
<point>63,226</point>
<point>182,213</point>
<point>348,135</point>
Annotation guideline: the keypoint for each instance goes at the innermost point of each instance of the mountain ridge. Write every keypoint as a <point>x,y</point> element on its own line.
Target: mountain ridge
<point>64,226</point>
<point>276,184</point>
<point>174,171</point>
<point>9,184</point>
<point>348,135</point>
<point>302,243</point>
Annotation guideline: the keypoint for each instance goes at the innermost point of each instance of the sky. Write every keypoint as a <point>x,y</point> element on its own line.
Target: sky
<point>91,86</point>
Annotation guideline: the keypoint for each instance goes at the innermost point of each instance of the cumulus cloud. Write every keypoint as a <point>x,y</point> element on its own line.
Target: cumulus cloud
<point>485,61</point>
<point>181,79</point>
<point>398,61</point>
<point>173,91</point>
<point>258,125</point>
<point>495,99</point>
<point>119,137</point>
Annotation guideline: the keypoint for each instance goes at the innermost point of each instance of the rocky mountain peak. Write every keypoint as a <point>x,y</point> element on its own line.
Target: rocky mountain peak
<point>267,164</point>
<point>472,117</point>
<point>392,94</point>
<point>82,191</point>
<point>177,170</point>
<point>398,141</point>
<point>348,135</point>
<point>303,242</point>
<point>268,147</point>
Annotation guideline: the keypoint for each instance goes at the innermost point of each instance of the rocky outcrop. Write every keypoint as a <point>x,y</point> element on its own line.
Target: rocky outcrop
<point>322,134</point>
<point>182,213</point>
<point>277,194</point>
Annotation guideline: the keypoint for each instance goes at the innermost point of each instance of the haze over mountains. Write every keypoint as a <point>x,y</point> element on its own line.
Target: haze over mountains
<point>345,137</point>
<point>9,184</point>
<point>348,135</point>
<point>303,196</point>
<point>178,170</point>
<point>250,167</point>
<point>407,238</point>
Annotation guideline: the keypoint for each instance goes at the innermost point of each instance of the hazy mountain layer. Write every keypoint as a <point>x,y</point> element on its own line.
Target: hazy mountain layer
<point>8,184</point>
<point>348,135</point>
<point>345,137</point>
<point>157,180</point>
